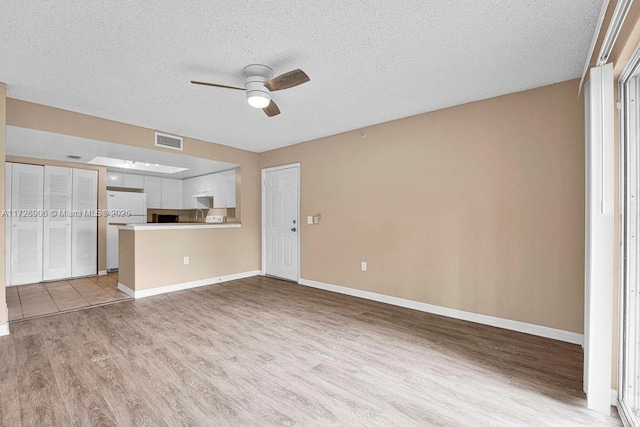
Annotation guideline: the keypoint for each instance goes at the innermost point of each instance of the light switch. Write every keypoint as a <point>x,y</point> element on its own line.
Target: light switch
<point>309,220</point>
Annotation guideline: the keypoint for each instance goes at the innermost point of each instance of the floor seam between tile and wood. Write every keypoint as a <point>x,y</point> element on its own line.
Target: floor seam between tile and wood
<point>49,298</point>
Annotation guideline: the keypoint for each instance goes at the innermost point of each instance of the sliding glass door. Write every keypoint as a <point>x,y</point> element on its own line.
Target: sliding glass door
<point>629,350</point>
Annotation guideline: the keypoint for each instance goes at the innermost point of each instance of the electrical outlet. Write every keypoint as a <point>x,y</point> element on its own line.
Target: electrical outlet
<point>185,260</point>
<point>363,266</point>
<point>218,219</point>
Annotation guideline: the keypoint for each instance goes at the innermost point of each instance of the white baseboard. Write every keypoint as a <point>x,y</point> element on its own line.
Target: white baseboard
<point>514,325</point>
<point>187,285</point>
<point>102,273</point>
<point>614,397</point>
<point>127,290</point>
<point>4,329</point>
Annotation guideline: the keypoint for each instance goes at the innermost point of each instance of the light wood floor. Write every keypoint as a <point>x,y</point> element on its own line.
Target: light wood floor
<point>42,299</point>
<point>265,352</point>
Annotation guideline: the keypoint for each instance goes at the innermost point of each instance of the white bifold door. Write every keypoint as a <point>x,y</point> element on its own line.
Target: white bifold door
<point>57,224</point>
<point>26,224</point>
<point>84,227</point>
<point>281,228</point>
<point>53,229</point>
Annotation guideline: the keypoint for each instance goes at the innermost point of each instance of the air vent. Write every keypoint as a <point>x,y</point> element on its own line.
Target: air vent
<point>73,157</point>
<point>168,141</point>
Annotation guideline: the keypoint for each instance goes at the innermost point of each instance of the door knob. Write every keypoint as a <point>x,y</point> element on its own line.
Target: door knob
<point>293,229</point>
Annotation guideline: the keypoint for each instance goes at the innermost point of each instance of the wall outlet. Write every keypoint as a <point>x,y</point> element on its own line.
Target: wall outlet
<point>217,219</point>
<point>363,266</point>
<point>185,260</point>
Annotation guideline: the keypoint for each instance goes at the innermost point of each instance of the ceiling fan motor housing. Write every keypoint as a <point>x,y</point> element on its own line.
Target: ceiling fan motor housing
<point>257,93</point>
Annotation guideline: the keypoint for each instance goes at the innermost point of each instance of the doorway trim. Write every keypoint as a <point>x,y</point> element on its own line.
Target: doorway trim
<point>295,166</point>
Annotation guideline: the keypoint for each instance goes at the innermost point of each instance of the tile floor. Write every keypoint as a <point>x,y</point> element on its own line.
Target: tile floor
<point>41,299</point>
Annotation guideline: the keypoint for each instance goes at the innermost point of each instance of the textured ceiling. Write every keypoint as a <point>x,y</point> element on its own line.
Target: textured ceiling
<point>369,61</point>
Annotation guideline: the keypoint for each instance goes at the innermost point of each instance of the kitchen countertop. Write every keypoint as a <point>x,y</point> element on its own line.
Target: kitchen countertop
<point>177,226</point>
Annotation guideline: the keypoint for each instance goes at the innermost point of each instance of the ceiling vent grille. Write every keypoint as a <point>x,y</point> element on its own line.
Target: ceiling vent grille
<point>168,141</point>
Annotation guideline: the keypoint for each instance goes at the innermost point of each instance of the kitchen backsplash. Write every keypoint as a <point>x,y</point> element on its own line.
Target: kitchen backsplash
<point>189,215</point>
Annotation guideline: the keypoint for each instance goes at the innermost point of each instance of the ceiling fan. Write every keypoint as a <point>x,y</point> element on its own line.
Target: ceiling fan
<point>259,83</point>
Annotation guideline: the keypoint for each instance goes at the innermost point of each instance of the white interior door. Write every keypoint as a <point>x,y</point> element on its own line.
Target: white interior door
<point>57,227</point>
<point>84,225</point>
<point>26,224</point>
<point>281,222</point>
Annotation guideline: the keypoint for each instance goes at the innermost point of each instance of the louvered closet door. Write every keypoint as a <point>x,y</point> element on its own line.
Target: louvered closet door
<point>84,226</point>
<point>57,226</point>
<point>26,224</point>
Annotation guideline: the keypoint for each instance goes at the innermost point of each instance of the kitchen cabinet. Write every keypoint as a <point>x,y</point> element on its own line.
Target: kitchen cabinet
<point>220,185</point>
<point>188,190</point>
<point>132,181</point>
<point>153,190</point>
<point>224,189</point>
<point>171,193</point>
<point>125,180</point>
<point>163,193</point>
<point>197,185</point>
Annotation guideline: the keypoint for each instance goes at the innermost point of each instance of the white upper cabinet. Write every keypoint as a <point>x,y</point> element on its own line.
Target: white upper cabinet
<point>171,194</point>
<point>197,185</point>
<point>221,185</point>
<point>188,190</point>
<point>125,180</point>
<point>132,181</point>
<point>153,190</point>
<point>224,189</point>
<point>163,193</point>
<point>114,179</point>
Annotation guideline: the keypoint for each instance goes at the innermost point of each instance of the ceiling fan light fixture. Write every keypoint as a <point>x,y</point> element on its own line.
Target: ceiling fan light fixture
<point>258,99</point>
<point>259,83</point>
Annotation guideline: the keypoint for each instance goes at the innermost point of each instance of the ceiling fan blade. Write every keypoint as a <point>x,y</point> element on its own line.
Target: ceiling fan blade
<point>287,80</point>
<point>216,85</point>
<point>271,109</point>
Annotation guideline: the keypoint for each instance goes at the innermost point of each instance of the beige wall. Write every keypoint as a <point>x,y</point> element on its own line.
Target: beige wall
<point>102,197</point>
<point>244,241</point>
<point>159,256</point>
<point>126,258</point>
<point>478,207</point>
<point>3,111</point>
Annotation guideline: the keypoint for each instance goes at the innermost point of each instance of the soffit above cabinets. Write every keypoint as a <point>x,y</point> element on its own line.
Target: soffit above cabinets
<point>23,142</point>
<point>369,62</point>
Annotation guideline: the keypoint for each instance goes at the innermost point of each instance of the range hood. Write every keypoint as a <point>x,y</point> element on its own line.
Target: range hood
<point>205,195</point>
